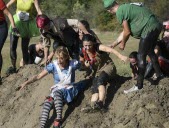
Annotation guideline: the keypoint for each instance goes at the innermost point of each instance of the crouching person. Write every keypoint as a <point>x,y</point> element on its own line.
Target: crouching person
<point>95,58</point>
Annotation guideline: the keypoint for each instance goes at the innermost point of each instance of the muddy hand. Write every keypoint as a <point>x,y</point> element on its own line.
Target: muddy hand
<point>87,64</point>
<point>111,45</point>
<point>16,31</point>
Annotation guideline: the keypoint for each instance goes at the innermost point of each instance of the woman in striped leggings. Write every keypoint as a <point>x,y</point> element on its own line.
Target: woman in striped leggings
<point>63,71</point>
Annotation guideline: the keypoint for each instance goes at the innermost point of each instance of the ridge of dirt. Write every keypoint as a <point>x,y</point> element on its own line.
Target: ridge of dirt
<point>148,107</point>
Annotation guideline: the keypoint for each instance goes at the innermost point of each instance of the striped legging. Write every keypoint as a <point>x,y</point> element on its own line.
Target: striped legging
<point>47,106</point>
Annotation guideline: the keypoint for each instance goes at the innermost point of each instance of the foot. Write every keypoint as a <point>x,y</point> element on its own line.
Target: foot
<point>94,107</point>
<point>157,78</point>
<point>11,70</point>
<point>57,124</point>
<point>134,88</point>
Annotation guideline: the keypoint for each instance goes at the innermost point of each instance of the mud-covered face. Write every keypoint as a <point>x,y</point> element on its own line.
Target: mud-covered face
<point>133,61</point>
<point>88,45</point>
<point>62,60</point>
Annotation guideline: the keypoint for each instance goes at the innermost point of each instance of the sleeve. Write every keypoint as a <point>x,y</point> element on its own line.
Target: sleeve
<point>122,13</point>
<point>2,5</point>
<point>50,68</point>
<point>73,23</point>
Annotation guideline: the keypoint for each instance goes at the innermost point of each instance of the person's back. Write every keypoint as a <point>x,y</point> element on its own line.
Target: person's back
<point>140,19</point>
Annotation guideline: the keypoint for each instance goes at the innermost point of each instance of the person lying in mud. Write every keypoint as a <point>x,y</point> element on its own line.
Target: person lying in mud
<point>36,53</point>
<point>64,90</point>
<point>95,58</point>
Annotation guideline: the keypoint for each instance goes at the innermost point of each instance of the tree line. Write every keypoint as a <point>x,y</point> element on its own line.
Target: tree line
<point>94,12</point>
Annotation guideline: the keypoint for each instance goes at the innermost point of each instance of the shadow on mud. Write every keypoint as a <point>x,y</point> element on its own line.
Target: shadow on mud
<point>115,84</point>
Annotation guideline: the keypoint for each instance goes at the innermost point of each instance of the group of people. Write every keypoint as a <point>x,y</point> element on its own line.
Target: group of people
<point>76,46</point>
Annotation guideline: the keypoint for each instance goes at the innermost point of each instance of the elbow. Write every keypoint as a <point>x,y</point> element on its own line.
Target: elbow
<point>127,33</point>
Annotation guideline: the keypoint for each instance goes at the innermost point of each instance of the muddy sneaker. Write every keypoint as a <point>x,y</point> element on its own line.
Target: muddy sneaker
<point>11,70</point>
<point>157,78</point>
<point>56,124</point>
<point>98,105</point>
<point>134,88</point>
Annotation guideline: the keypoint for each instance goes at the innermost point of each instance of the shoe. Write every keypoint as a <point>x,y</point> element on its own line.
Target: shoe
<point>134,88</point>
<point>11,70</point>
<point>158,78</point>
<point>98,105</point>
<point>56,124</point>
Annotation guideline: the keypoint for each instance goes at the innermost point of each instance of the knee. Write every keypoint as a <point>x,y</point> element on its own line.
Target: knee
<point>141,60</point>
<point>102,79</point>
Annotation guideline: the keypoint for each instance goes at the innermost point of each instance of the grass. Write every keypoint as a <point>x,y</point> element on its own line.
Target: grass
<point>105,37</point>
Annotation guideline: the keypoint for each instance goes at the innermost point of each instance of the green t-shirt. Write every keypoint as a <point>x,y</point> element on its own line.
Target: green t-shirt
<point>26,6</point>
<point>140,19</point>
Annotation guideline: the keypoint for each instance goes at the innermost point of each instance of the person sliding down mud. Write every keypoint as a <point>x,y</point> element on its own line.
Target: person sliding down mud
<point>139,22</point>
<point>64,90</point>
<point>62,32</point>
<point>95,58</point>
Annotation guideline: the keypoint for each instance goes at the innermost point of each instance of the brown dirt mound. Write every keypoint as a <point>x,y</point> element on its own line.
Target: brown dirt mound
<point>146,108</point>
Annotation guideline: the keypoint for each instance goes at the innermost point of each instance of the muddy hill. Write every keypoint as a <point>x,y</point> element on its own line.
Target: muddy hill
<point>148,108</point>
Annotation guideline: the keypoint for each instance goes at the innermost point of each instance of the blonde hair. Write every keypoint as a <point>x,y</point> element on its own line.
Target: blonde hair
<point>61,50</point>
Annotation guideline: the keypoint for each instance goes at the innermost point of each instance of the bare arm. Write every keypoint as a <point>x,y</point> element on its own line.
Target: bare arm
<point>33,79</point>
<point>126,35</point>
<point>6,12</point>
<point>108,49</point>
<point>10,3</point>
<point>118,40</point>
<point>36,3</point>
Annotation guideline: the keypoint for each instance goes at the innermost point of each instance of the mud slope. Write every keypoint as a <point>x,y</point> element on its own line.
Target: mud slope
<point>148,108</point>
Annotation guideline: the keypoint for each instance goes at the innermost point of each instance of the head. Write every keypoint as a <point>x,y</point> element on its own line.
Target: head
<point>110,5</point>
<point>133,58</point>
<point>83,26</point>
<point>62,56</point>
<point>43,22</point>
<point>88,42</point>
<point>40,47</point>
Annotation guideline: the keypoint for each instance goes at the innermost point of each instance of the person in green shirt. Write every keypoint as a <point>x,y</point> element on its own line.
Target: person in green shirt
<point>139,22</point>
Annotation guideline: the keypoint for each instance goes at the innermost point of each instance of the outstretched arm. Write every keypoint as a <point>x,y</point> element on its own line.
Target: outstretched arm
<point>108,49</point>
<point>33,79</point>
<point>126,35</point>
<point>36,3</point>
